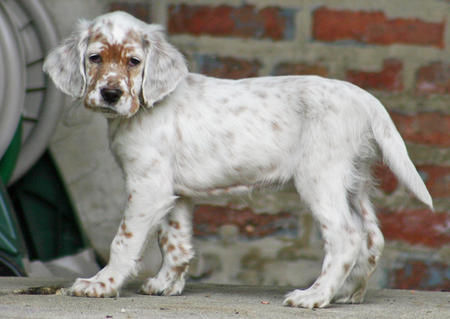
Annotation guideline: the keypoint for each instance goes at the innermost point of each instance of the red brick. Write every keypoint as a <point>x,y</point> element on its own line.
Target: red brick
<point>373,27</point>
<point>389,78</point>
<point>208,219</point>
<point>433,79</point>
<point>437,179</point>
<point>416,227</point>
<point>286,68</point>
<point>245,21</point>
<point>421,275</point>
<point>139,10</point>
<point>227,67</point>
<point>385,178</point>
<point>431,128</point>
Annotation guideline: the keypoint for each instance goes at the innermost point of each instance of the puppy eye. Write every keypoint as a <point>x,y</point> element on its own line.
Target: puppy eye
<point>95,58</point>
<point>134,61</point>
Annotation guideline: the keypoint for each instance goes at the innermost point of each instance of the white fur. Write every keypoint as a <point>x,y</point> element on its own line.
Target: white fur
<point>196,136</point>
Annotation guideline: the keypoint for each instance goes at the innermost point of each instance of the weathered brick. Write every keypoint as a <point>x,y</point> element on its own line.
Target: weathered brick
<point>437,179</point>
<point>431,128</point>
<point>385,178</point>
<point>433,79</point>
<point>245,21</point>
<point>389,78</point>
<point>227,67</point>
<point>208,219</point>
<point>416,227</point>
<point>373,27</point>
<point>139,10</point>
<point>420,275</point>
<point>286,68</point>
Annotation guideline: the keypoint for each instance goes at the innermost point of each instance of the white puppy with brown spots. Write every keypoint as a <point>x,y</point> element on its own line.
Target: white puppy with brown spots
<point>179,136</point>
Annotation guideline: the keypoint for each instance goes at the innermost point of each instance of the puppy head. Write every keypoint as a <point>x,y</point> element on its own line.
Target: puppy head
<point>116,63</point>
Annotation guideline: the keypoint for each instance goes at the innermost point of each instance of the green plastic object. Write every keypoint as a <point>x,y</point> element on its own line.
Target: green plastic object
<point>12,251</point>
<point>9,159</point>
<point>46,216</point>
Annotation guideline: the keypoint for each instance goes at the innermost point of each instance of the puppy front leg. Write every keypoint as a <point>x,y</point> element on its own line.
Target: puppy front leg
<point>148,202</point>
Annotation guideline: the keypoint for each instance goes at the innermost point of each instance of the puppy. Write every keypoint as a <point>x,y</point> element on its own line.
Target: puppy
<point>180,136</point>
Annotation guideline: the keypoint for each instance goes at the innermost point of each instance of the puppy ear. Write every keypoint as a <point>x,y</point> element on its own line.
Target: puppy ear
<point>164,66</point>
<point>65,64</point>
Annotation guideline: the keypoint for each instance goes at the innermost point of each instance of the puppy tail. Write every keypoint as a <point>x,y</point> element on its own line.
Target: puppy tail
<point>396,156</point>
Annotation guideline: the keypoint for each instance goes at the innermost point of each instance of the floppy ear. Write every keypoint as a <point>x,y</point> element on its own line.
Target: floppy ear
<point>65,64</point>
<point>164,66</point>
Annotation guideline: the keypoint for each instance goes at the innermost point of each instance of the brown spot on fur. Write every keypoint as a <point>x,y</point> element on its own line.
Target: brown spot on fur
<point>111,279</point>
<point>190,80</point>
<point>346,267</point>
<point>261,94</point>
<point>316,305</point>
<point>275,126</point>
<point>102,285</point>
<point>289,303</point>
<point>123,226</point>
<point>349,229</point>
<point>163,241</point>
<point>130,197</point>
<point>181,268</point>
<point>178,131</point>
<point>369,241</point>
<point>364,212</point>
<point>372,260</point>
<point>183,250</point>
<point>170,248</point>
<point>174,224</point>
<point>239,110</point>
<point>128,234</point>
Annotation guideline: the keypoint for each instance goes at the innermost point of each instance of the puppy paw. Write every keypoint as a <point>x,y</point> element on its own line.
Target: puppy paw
<point>309,298</point>
<point>157,286</point>
<point>356,296</point>
<point>93,287</point>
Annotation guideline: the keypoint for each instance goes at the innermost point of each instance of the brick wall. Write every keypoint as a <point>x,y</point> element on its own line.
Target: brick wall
<point>400,51</point>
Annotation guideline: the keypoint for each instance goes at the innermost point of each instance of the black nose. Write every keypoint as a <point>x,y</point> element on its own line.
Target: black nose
<point>111,96</point>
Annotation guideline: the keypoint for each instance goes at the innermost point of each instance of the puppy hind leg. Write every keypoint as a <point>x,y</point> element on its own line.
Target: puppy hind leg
<point>354,288</point>
<point>176,247</point>
<point>326,196</point>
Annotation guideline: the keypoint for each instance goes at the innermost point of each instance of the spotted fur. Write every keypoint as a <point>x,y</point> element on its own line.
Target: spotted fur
<point>181,136</point>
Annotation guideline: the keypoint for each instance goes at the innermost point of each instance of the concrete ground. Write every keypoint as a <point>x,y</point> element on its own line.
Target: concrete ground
<point>208,301</point>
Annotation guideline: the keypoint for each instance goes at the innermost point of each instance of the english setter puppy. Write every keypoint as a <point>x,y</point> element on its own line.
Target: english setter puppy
<point>180,136</point>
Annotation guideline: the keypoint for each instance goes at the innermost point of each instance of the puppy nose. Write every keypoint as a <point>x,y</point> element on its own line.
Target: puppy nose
<point>111,96</point>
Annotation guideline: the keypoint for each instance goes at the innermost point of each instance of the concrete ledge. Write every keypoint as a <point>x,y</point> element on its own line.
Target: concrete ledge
<point>210,301</point>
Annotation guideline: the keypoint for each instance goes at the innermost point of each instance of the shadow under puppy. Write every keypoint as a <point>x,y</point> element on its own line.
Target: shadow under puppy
<point>180,136</point>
